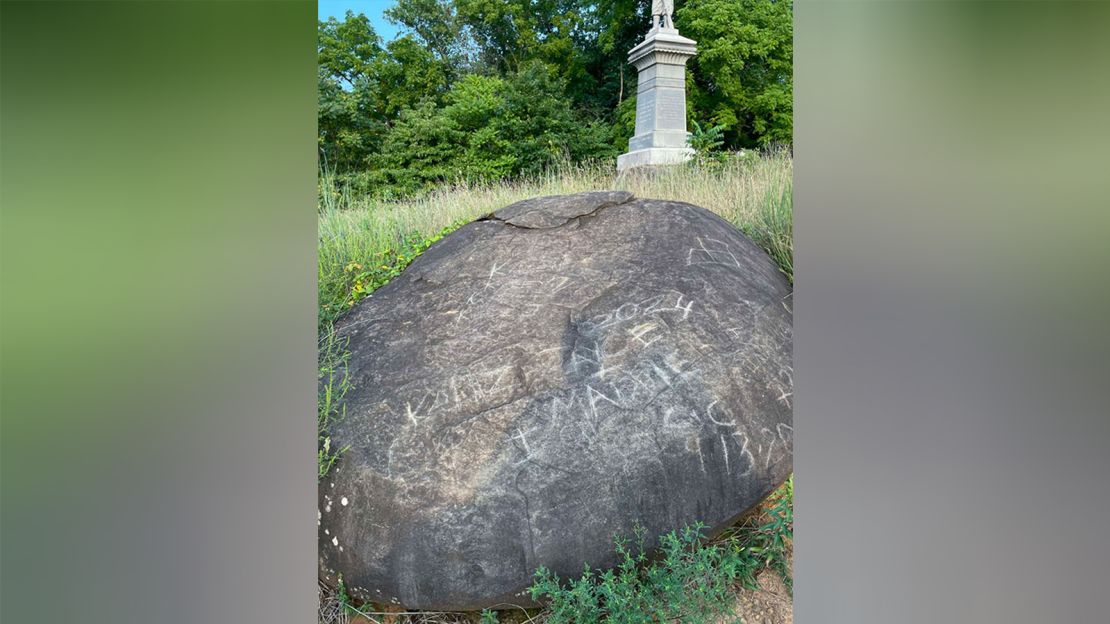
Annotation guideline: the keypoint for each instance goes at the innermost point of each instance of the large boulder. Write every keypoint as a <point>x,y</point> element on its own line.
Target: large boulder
<point>545,378</point>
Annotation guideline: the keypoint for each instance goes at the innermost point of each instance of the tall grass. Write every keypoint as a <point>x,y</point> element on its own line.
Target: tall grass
<point>753,193</point>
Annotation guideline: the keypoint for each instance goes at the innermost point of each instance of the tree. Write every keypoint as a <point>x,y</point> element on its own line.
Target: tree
<point>510,33</point>
<point>346,50</point>
<point>348,121</point>
<point>543,126</point>
<point>432,22</point>
<point>409,74</point>
<point>619,25</point>
<point>335,118</point>
<point>363,87</point>
<point>417,152</point>
<point>436,26</point>
<point>474,106</point>
<point>743,73</point>
<point>489,128</point>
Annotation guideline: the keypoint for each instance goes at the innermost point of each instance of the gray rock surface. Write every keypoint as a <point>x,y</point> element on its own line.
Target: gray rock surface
<point>548,377</point>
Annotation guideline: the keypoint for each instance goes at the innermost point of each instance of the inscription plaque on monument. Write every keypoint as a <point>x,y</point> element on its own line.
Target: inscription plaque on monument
<point>661,94</point>
<point>672,109</point>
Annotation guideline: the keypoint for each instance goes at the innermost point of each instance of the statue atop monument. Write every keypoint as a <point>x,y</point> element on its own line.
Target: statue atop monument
<point>662,9</point>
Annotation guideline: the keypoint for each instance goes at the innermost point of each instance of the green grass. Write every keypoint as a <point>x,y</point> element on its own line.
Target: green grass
<point>364,242</point>
<point>372,264</point>
<point>333,386</point>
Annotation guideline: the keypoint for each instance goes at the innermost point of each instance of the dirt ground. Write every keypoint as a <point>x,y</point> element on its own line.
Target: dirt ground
<point>770,604</point>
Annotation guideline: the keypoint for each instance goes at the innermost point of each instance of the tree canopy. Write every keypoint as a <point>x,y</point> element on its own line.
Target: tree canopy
<point>486,89</point>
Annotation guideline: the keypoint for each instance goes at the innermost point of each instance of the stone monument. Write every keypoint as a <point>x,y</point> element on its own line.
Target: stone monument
<point>660,59</point>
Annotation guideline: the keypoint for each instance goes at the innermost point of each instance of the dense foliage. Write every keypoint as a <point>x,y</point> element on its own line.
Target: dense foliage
<point>486,89</point>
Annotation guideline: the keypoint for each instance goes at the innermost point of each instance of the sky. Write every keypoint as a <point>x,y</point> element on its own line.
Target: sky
<point>373,9</point>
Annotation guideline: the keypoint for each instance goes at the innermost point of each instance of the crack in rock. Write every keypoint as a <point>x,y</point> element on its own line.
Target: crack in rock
<point>552,211</point>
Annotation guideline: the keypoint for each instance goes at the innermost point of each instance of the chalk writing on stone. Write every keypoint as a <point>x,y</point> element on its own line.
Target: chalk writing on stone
<point>538,380</point>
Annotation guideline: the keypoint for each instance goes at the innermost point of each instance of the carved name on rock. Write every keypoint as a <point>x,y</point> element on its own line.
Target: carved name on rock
<point>545,378</point>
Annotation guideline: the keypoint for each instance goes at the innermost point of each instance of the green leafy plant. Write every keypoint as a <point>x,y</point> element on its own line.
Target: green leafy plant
<point>689,579</point>
<point>775,536</point>
<point>341,595</point>
<point>768,536</point>
<point>388,264</point>
<point>706,143</point>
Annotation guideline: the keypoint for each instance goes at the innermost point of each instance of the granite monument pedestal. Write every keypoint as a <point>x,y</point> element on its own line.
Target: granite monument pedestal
<point>661,137</point>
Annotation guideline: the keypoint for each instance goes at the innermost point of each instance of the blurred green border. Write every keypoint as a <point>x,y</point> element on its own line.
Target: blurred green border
<point>158,267</point>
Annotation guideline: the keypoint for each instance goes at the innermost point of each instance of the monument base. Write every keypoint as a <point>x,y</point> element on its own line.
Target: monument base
<point>654,156</point>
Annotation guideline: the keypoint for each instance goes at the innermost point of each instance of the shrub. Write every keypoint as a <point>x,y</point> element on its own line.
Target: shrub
<point>706,143</point>
<point>490,129</point>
